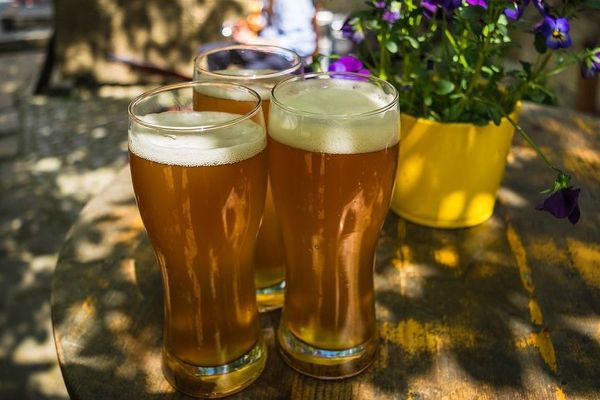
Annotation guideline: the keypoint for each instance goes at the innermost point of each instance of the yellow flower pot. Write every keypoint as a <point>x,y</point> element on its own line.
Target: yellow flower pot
<point>449,173</point>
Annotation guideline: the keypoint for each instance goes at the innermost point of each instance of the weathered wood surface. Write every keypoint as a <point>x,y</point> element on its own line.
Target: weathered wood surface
<point>509,309</point>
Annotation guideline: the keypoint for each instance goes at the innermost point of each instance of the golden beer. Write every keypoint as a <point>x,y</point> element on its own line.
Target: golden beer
<point>234,61</point>
<point>333,150</point>
<point>200,195</point>
<point>269,257</point>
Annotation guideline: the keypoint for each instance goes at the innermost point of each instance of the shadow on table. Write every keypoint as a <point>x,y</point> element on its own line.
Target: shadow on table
<point>74,148</point>
<point>507,307</point>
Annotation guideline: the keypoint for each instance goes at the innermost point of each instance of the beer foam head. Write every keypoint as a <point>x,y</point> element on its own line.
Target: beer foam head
<point>336,116</point>
<point>202,147</point>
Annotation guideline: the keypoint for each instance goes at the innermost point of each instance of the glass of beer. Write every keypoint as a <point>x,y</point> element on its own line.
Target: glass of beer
<point>200,178</point>
<point>260,68</point>
<point>333,150</point>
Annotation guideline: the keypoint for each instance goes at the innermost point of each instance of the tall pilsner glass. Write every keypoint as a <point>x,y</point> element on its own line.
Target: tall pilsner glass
<point>258,67</point>
<point>200,179</point>
<point>333,149</point>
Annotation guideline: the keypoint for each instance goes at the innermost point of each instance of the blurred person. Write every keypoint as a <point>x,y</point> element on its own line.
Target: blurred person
<point>284,23</point>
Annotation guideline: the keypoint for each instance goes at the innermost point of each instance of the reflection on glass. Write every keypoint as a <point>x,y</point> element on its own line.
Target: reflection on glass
<point>200,179</point>
<point>258,67</point>
<point>333,150</point>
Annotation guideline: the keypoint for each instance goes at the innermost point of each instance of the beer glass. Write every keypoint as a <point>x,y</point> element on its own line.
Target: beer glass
<point>258,67</point>
<point>333,150</point>
<point>200,179</point>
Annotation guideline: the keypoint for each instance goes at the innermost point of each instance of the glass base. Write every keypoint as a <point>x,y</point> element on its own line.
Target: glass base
<point>214,382</point>
<point>270,298</point>
<point>324,363</point>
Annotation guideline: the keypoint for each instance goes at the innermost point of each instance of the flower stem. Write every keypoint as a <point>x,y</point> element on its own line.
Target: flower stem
<point>545,61</point>
<point>530,141</point>
<point>382,50</point>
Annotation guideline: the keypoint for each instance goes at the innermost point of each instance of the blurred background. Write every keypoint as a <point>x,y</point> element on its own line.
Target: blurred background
<point>67,71</point>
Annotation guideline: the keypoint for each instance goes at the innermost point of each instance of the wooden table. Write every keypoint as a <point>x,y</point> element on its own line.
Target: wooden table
<point>508,309</point>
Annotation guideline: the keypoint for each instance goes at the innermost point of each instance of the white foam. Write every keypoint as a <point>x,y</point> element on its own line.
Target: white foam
<point>198,147</point>
<point>324,130</point>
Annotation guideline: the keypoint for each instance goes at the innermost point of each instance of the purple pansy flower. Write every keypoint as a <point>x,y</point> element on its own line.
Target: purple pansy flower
<point>430,7</point>
<point>380,4</point>
<point>541,6</point>
<point>391,16</point>
<point>450,5</point>
<point>480,3</point>
<point>516,10</point>
<point>591,65</point>
<point>556,32</point>
<point>563,203</point>
<point>348,64</point>
<point>352,32</point>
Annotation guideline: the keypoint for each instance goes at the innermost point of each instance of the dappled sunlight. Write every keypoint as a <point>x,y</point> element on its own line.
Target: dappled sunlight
<point>512,198</point>
<point>147,31</point>
<point>587,325</point>
<point>468,308</point>
<point>457,185</point>
<point>543,343</point>
<point>447,256</point>
<point>519,155</point>
<point>413,172</point>
<point>414,336</point>
<point>586,259</point>
<point>62,166</point>
<point>471,297</point>
<point>78,185</point>
<point>452,205</point>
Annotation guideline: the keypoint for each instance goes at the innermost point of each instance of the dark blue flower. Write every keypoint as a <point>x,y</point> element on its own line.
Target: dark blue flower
<point>516,10</point>
<point>556,32</point>
<point>352,31</point>
<point>591,64</point>
<point>348,64</point>
<point>450,5</point>
<point>563,203</point>
<point>542,7</point>
<point>430,7</point>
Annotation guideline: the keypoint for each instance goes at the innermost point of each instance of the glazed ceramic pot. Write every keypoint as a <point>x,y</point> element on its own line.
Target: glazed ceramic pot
<point>449,173</point>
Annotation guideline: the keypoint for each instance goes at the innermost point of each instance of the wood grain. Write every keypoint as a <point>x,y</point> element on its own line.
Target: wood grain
<point>509,309</point>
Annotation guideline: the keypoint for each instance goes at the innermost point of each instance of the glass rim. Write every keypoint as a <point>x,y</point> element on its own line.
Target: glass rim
<point>263,48</point>
<point>332,75</point>
<point>192,84</point>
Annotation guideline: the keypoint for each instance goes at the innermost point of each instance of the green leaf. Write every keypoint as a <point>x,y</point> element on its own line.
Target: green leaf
<point>427,100</point>
<point>487,70</point>
<point>502,20</point>
<point>489,28</point>
<point>391,46</point>
<point>411,41</point>
<point>444,87</point>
